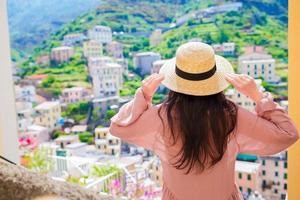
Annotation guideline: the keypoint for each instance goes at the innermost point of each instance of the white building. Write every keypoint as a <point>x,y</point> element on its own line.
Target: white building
<point>115,49</point>
<point>242,100</point>
<point>102,34</point>
<point>72,39</point>
<point>144,61</point>
<point>107,77</point>
<point>62,54</point>
<point>48,114</point>
<point>25,115</point>
<point>225,49</point>
<point>95,62</point>
<point>74,95</point>
<point>92,48</point>
<point>25,93</point>
<point>258,65</point>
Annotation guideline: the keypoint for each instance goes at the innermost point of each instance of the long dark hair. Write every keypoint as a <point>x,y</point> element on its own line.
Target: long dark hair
<point>203,124</point>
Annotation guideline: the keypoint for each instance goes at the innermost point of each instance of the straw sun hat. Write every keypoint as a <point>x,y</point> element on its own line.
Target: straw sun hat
<point>196,70</point>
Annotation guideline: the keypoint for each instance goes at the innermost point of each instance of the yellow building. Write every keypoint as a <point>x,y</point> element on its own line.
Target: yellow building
<point>48,114</point>
<point>156,171</point>
<point>107,143</point>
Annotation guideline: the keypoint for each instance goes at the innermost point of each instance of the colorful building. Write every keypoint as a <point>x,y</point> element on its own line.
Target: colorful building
<point>73,38</point>
<point>107,79</point>
<point>107,143</point>
<point>92,48</point>
<point>101,34</point>
<point>247,176</point>
<point>258,65</point>
<point>74,95</point>
<point>48,115</point>
<point>61,54</point>
<point>115,49</point>
<point>274,174</point>
<point>143,61</point>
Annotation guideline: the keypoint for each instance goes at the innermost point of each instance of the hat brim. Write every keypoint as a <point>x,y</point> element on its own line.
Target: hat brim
<point>213,85</point>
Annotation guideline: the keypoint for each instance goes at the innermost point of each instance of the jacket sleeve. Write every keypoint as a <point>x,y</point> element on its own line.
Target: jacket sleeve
<point>268,131</point>
<point>137,122</point>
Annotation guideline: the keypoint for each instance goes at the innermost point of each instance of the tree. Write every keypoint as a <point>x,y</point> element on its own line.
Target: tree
<point>110,114</point>
<point>38,161</point>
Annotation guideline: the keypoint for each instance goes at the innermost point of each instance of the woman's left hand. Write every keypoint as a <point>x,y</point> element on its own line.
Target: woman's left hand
<point>150,85</point>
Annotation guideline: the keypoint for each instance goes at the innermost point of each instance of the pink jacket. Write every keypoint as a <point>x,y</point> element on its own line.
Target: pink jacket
<point>266,132</point>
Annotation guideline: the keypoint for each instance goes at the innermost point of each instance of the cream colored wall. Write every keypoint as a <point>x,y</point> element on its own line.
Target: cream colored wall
<point>8,119</point>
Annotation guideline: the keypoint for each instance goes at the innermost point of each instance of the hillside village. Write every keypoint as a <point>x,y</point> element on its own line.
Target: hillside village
<point>66,95</point>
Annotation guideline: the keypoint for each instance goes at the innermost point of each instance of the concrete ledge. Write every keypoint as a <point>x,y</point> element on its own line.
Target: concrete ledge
<point>17,183</point>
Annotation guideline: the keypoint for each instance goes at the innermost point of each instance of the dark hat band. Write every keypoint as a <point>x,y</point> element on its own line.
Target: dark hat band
<point>195,77</point>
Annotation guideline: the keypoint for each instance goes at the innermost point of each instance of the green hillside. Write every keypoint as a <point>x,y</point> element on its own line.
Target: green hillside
<point>137,19</point>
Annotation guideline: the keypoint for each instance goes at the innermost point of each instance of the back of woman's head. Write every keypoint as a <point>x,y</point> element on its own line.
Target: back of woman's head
<point>203,125</point>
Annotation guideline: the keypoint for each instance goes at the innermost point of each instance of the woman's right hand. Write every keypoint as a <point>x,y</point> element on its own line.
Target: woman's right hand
<point>246,85</point>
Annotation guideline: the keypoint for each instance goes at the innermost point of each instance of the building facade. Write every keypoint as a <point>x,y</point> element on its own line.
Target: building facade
<point>48,115</point>
<point>73,38</point>
<point>74,95</point>
<point>143,61</point>
<point>225,49</point>
<point>107,143</point>
<point>92,48</point>
<point>107,77</point>
<point>101,34</point>
<point>247,176</point>
<point>25,93</point>
<point>274,176</point>
<point>115,49</point>
<point>61,54</point>
<point>258,65</point>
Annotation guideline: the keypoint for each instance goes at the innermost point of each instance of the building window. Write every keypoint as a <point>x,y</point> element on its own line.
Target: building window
<point>249,177</point>
<point>285,186</point>
<point>275,191</point>
<point>285,175</point>
<point>276,174</point>
<point>283,196</point>
<point>241,189</point>
<point>264,162</point>
<point>285,164</point>
<point>276,163</point>
<point>263,172</point>
<point>249,190</point>
<point>240,176</point>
